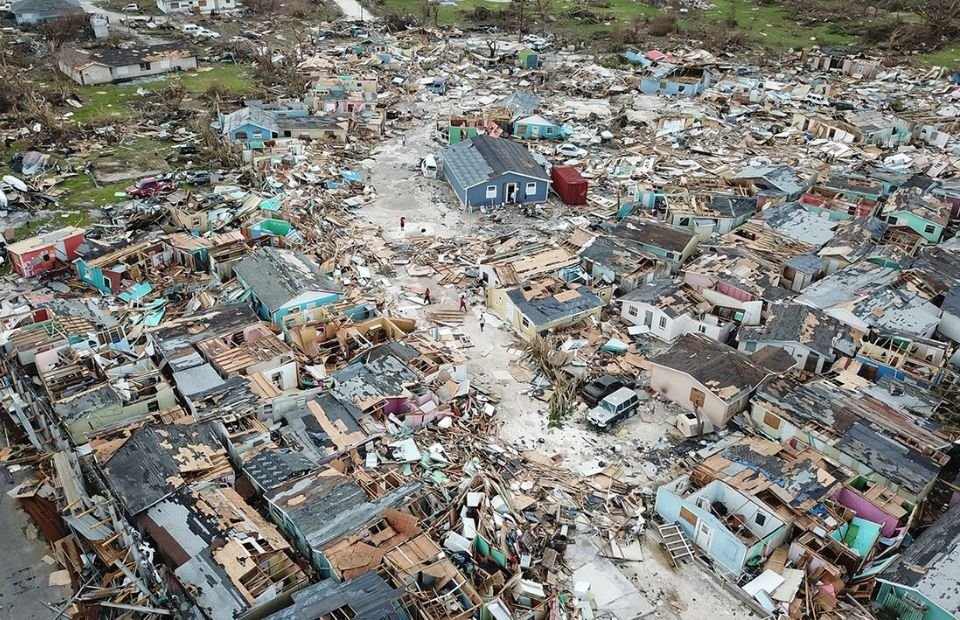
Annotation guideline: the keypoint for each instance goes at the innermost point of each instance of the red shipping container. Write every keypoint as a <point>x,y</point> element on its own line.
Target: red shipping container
<point>569,185</point>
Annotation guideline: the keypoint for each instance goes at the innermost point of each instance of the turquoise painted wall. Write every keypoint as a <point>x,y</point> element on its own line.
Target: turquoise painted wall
<point>919,225</point>
<point>890,597</point>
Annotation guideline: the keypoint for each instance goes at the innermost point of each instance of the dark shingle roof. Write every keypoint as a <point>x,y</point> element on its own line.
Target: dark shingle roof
<point>121,57</point>
<point>144,470</point>
<point>277,276</point>
<point>482,158</point>
<point>797,323</point>
<point>931,565</point>
<point>721,369</point>
<point>368,596</point>
<point>654,234</point>
<point>548,309</point>
<point>46,7</point>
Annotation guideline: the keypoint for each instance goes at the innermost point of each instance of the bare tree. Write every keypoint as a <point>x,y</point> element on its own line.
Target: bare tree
<point>941,16</point>
<point>67,28</point>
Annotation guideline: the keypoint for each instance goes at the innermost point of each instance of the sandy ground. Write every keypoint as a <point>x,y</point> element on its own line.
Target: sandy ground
<point>24,590</point>
<point>352,10</point>
<point>496,362</point>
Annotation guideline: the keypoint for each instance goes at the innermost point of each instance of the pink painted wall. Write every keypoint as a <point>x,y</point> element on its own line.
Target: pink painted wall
<point>865,510</point>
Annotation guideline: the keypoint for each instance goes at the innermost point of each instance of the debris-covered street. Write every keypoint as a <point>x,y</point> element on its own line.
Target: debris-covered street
<point>492,311</point>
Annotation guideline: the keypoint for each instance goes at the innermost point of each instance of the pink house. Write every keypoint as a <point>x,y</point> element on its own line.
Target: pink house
<point>35,255</point>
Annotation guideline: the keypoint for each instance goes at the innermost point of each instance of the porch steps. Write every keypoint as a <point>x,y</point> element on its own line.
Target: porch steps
<point>675,542</point>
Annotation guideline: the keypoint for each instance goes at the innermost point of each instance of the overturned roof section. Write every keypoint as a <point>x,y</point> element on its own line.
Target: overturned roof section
<point>278,276</point>
<point>365,384</point>
<point>159,459</point>
<point>721,369</point>
<point>327,506</point>
<point>931,565</point>
<point>783,180</point>
<point>793,220</point>
<point>654,234</point>
<point>482,158</point>
<point>368,597</point>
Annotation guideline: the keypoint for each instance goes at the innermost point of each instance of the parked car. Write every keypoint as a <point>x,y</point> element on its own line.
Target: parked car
<point>131,8</point>
<point>618,406</point>
<point>190,28</point>
<point>536,42</point>
<point>601,387</point>
<point>6,7</point>
<point>570,150</point>
<point>198,177</point>
<point>817,99</point>
<point>187,148</point>
<point>205,33</point>
<point>145,188</point>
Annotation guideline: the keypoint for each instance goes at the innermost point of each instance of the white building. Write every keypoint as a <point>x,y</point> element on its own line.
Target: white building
<point>115,64</point>
<point>670,309</point>
<point>196,6</point>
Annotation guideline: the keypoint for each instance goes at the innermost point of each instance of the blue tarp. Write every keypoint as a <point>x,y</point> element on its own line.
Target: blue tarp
<point>351,176</point>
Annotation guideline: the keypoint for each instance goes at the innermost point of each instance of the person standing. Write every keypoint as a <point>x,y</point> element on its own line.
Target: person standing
<point>463,302</point>
<point>426,296</point>
<point>403,222</point>
<point>481,322</point>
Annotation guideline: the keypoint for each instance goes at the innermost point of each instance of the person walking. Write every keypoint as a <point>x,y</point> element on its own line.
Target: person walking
<point>481,322</point>
<point>426,296</point>
<point>403,222</point>
<point>463,302</point>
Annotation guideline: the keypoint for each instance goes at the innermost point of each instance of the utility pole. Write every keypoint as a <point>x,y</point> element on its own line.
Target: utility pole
<point>520,32</point>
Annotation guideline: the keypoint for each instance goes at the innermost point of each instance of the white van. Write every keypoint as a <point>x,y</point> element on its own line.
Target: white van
<point>428,166</point>
<point>621,404</point>
<point>190,28</point>
<point>817,99</point>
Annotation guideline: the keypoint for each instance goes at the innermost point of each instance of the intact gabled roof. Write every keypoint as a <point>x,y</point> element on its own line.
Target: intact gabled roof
<point>122,56</point>
<point>250,115</point>
<point>723,370</point>
<point>46,7</point>
<point>276,276</point>
<point>482,158</point>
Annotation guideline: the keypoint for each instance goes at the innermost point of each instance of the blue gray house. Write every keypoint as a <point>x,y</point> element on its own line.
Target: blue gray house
<point>282,282</point>
<point>494,171</point>
<point>27,12</point>
<point>536,126</point>
<point>259,121</point>
<point>670,79</point>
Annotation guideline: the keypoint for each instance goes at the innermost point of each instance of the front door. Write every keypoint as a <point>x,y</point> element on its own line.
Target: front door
<point>511,192</point>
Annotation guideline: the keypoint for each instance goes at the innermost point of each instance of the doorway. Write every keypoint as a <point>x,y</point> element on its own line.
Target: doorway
<point>511,192</point>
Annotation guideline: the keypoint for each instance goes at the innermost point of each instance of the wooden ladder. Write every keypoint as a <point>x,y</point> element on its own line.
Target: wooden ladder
<point>675,542</point>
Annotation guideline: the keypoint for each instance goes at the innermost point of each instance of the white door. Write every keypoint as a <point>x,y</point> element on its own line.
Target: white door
<point>704,535</point>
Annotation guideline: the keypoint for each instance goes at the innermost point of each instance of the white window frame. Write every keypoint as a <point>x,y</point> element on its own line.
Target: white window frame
<point>491,191</point>
<point>663,322</point>
<point>528,191</point>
